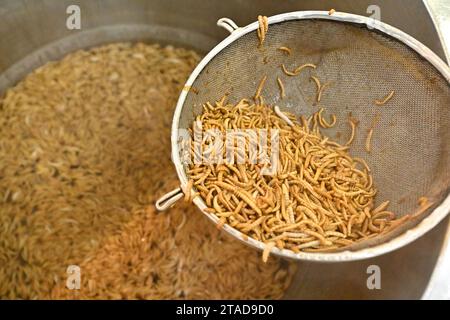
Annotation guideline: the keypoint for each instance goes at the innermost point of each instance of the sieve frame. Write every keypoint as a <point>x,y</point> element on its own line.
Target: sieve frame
<point>425,225</point>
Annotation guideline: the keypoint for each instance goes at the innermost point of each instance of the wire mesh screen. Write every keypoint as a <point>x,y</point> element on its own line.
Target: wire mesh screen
<point>411,133</point>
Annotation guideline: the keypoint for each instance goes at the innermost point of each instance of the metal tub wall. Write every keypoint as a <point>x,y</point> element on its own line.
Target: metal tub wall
<point>34,32</point>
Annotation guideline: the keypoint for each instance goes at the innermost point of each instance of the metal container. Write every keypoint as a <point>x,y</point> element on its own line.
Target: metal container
<point>188,105</point>
<point>34,32</point>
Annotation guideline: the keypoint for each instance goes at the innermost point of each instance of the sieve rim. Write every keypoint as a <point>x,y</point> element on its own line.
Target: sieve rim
<point>425,225</point>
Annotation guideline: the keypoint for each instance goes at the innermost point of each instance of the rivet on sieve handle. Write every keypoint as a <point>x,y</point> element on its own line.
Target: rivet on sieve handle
<point>169,199</point>
<point>227,24</point>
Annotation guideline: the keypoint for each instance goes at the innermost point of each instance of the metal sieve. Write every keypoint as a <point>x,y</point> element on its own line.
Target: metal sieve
<point>362,59</point>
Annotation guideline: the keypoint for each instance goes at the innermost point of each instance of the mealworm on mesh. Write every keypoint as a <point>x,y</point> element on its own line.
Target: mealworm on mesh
<point>319,93</point>
<point>289,73</point>
<point>281,85</point>
<point>368,144</point>
<point>385,99</point>
<point>318,86</point>
<point>286,50</point>
<point>323,122</point>
<point>423,201</point>
<point>352,134</point>
<point>306,65</point>
<point>297,70</point>
<point>260,87</point>
<point>381,207</point>
<point>262,29</point>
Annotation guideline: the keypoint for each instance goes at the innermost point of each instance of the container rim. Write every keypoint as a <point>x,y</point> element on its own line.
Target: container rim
<point>429,222</point>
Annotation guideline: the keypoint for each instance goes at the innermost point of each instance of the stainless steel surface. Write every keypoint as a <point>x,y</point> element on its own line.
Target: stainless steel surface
<point>29,25</point>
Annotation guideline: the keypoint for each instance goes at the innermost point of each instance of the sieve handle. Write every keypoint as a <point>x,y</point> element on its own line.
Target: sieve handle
<point>169,199</point>
<point>227,24</point>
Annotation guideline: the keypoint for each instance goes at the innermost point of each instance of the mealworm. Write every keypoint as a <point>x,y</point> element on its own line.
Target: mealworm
<point>261,100</point>
<point>327,249</point>
<point>195,195</point>
<point>381,207</point>
<point>306,65</point>
<point>333,121</point>
<point>310,244</point>
<point>323,122</point>
<point>240,184</point>
<point>286,50</point>
<point>385,99</point>
<point>260,87</point>
<point>318,85</point>
<point>295,249</point>
<point>280,84</point>
<point>239,207</point>
<point>216,205</point>
<point>247,227</point>
<point>368,144</point>
<point>319,93</point>
<point>423,201</point>
<point>221,223</point>
<point>283,116</point>
<point>352,135</point>
<point>267,249</point>
<point>289,73</point>
<point>203,177</point>
<point>263,28</point>
<point>280,244</point>
<point>297,70</point>
<point>209,197</point>
<point>285,204</point>
<point>187,190</point>
<point>241,194</point>
<point>334,233</point>
<point>383,214</point>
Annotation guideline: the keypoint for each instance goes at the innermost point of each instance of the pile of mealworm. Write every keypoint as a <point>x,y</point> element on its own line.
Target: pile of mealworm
<point>319,199</point>
<point>78,179</point>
